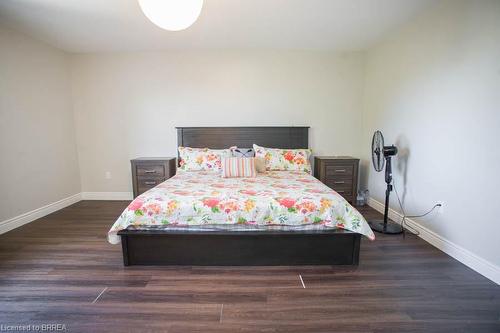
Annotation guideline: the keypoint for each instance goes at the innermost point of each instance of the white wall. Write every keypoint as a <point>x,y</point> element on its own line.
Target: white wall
<point>433,89</point>
<point>37,144</point>
<point>127,104</point>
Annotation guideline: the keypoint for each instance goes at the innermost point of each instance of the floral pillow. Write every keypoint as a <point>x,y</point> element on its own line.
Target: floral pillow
<point>284,159</point>
<point>197,159</point>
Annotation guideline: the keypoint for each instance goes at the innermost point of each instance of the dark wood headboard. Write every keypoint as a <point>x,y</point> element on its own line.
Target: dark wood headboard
<point>244,137</point>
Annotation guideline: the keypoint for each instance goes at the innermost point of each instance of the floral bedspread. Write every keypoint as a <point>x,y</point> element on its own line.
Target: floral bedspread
<point>284,198</point>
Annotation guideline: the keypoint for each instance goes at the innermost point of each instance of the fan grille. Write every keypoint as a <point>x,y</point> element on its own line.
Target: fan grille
<point>378,151</point>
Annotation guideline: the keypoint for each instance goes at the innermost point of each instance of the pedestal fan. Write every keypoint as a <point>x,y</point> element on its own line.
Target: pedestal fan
<point>382,155</point>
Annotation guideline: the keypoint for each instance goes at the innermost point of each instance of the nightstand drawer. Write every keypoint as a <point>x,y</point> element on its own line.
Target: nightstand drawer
<point>157,170</point>
<point>339,170</point>
<point>339,183</point>
<point>144,184</point>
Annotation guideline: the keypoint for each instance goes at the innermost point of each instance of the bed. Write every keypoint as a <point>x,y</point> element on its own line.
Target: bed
<point>277,218</point>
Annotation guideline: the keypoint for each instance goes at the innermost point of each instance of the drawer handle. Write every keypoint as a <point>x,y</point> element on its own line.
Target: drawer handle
<point>150,183</point>
<point>339,182</point>
<point>340,191</point>
<point>339,170</point>
<point>149,171</point>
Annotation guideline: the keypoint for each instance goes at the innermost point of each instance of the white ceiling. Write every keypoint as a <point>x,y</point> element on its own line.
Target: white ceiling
<point>119,25</point>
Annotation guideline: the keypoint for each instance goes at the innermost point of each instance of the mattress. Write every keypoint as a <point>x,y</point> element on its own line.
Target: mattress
<point>280,200</point>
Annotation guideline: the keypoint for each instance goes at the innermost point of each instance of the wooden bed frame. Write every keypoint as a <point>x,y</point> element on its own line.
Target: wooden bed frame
<point>219,248</point>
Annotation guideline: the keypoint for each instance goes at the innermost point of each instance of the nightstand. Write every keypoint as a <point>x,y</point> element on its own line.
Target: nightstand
<point>147,172</point>
<point>339,173</point>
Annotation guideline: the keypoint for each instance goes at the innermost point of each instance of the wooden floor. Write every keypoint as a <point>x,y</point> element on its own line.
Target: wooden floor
<point>61,270</point>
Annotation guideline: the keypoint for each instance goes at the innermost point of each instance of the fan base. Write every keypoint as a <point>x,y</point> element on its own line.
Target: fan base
<point>391,228</point>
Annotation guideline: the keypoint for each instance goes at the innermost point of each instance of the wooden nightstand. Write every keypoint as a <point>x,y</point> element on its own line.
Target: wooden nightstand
<point>147,172</point>
<point>339,173</point>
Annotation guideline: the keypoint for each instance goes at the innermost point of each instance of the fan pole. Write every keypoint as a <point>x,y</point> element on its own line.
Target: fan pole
<point>385,226</point>
<point>388,180</point>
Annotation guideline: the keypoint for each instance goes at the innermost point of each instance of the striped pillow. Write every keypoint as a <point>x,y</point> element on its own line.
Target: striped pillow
<point>233,167</point>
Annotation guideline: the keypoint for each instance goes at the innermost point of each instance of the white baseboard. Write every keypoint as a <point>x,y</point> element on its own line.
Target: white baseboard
<point>107,196</point>
<point>480,265</point>
<point>28,217</point>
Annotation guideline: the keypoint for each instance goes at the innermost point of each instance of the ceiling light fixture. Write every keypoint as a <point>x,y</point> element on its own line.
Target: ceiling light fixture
<point>173,15</point>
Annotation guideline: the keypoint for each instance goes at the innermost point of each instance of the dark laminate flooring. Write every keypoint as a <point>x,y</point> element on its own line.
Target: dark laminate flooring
<point>60,269</point>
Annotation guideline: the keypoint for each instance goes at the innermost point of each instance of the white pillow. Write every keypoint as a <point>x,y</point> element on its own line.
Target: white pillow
<point>242,152</point>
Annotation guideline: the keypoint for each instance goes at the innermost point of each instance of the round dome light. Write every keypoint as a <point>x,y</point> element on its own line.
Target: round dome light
<point>173,15</point>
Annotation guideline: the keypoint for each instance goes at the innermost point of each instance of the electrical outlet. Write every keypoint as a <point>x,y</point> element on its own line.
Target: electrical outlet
<point>107,175</point>
<point>440,209</point>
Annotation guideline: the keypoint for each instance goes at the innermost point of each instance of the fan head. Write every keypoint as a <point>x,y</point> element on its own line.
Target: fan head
<point>378,151</point>
<point>390,150</point>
